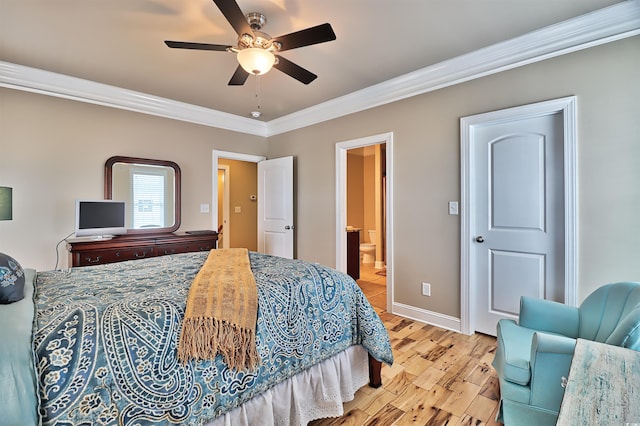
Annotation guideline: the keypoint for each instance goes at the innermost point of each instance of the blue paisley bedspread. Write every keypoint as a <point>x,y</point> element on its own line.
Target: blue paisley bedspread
<point>105,338</point>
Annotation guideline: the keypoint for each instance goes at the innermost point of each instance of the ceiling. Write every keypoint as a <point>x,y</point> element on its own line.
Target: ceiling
<point>121,43</point>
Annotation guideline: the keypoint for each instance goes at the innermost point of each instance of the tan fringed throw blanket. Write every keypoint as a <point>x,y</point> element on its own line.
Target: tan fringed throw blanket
<point>221,311</point>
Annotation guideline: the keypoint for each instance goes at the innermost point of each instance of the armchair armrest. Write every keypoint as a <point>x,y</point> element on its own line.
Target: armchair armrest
<point>551,344</point>
<point>550,316</point>
<point>551,357</point>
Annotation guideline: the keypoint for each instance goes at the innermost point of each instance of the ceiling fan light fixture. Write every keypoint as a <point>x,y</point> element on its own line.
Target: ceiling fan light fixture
<point>255,60</point>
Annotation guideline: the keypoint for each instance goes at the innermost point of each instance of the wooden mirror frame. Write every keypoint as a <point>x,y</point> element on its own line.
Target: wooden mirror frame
<point>108,188</point>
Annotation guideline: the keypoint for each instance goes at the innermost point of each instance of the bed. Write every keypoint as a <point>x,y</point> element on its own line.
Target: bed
<point>97,345</point>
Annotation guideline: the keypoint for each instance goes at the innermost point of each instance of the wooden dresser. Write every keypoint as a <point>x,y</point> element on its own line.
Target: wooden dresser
<point>86,252</point>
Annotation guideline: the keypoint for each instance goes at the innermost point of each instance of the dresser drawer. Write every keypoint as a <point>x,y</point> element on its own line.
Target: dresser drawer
<point>97,257</point>
<point>185,247</point>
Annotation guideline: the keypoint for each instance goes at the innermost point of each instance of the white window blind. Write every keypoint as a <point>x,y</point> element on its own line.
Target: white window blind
<point>148,200</point>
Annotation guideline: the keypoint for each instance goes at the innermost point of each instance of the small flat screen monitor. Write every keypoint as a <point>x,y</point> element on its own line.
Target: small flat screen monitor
<point>100,218</point>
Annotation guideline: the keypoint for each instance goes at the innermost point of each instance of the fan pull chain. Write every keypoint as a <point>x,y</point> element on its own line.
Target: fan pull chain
<point>257,113</point>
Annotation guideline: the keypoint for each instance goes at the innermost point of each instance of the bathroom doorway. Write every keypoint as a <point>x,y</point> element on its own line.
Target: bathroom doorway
<point>365,201</point>
<point>363,190</point>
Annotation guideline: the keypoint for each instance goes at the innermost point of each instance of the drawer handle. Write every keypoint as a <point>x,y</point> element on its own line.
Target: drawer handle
<point>172,251</point>
<point>139,256</point>
<point>89,260</point>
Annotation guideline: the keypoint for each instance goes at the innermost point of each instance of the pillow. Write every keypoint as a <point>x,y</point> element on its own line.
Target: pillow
<point>11,280</point>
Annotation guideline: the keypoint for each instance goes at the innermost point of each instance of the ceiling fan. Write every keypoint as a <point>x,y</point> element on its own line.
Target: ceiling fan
<point>257,51</point>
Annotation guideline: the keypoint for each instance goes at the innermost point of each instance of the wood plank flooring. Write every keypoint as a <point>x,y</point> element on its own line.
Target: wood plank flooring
<point>439,377</point>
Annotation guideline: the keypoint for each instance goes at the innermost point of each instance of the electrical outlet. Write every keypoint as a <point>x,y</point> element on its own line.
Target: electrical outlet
<point>426,289</point>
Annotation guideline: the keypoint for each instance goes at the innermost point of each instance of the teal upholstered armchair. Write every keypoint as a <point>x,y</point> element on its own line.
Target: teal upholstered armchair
<point>535,354</point>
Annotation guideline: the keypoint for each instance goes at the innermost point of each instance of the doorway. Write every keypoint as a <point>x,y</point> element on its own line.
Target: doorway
<point>382,224</point>
<point>239,227</point>
<point>271,201</point>
<point>365,221</point>
<point>218,158</point>
<point>518,210</point>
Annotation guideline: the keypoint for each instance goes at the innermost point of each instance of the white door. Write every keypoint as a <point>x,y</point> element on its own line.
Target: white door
<point>275,207</point>
<point>518,224</point>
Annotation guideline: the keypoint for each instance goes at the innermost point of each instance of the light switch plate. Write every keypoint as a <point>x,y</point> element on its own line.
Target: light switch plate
<point>204,208</point>
<point>453,207</point>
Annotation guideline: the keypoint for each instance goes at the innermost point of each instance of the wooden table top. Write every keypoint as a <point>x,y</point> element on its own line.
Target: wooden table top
<point>603,386</point>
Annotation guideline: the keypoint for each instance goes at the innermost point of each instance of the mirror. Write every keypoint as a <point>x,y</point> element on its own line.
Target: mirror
<point>151,189</point>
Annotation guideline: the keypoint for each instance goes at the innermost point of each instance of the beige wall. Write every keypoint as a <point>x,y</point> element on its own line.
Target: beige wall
<point>243,182</point>
<point>427,170</point>
<point>53,151</point>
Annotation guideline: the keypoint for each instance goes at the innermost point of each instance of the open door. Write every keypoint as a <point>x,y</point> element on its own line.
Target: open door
<point>224,234</point>
<point>275,207</point>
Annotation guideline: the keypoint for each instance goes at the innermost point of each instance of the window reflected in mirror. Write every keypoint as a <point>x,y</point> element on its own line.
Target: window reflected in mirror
<point>151,190</point>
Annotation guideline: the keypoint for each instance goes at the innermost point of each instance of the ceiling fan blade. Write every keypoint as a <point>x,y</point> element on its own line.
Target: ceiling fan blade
<point>295,71</point>
<point>307,37</point>
<point>239,77</point>
<point>196,46</point>
<point>234,15</point>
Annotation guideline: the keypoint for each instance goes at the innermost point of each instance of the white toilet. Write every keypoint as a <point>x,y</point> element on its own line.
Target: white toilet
<point>368,250</point>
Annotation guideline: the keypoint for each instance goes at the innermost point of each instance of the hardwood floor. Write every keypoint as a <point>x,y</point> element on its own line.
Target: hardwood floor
<point>438,377</point>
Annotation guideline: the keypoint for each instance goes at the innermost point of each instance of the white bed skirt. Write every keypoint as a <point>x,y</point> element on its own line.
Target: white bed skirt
<point>315,393</point>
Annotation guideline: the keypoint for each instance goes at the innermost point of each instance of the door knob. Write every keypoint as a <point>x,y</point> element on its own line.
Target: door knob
<point>288,227</point>
<point>480,239</point>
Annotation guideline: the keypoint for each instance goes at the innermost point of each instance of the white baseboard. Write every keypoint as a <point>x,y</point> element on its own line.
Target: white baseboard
<point>427,317</point>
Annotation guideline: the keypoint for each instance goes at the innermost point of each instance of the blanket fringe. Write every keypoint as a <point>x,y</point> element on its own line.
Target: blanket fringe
<point>204,338</point>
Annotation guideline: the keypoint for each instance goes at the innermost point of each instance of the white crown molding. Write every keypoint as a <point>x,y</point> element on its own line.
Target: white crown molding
<point>606,25</point>
<point>35,80</point>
